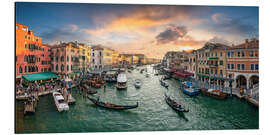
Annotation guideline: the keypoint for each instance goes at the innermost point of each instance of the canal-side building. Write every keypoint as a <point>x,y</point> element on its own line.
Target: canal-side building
<point>243,64</point>
<point>108,58</point>
<point>65,59</point>
<point>97,61</point>
<point>84,57</point>
<point>211,65</point>
<point>32,56</point>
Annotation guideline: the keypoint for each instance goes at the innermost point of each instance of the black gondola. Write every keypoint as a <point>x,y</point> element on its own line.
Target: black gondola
<point>89,90</point>
<point>112,106</point>
<point>174,105</point>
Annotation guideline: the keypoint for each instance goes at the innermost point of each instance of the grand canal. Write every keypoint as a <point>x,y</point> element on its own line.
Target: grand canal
<point>153,114</point>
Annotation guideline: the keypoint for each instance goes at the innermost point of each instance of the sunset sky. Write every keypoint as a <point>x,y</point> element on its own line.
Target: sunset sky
<point>152,30</point>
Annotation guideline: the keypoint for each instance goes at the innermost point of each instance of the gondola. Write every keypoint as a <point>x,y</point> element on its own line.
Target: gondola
<point>112,106</point>
<point>89,90</point>
<point>176,106</point>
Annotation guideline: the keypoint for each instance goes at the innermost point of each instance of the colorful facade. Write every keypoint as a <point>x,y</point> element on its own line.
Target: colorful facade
<point>243,64</point>
<point>65,58</point>
<point>31,55</point>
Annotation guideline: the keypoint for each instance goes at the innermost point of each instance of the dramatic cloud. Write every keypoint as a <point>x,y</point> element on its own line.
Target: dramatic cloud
<point>61,34</point>
<point>220,40</point>
<point>172,33</point>
<point>225,24</point>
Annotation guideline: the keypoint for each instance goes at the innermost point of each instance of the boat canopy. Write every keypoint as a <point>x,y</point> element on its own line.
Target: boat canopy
<point>40,76</point>
<point>59,98</point>
<point>122,78</point>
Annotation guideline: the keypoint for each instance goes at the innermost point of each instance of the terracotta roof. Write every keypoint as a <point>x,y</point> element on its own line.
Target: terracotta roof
<point>97,48</point>
<point>254,43</point>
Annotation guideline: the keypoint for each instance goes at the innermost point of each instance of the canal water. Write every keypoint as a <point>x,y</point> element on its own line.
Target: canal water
<point>153,114</point>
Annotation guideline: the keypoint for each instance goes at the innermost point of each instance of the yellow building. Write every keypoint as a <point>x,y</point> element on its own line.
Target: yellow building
<point>115,58</point>
<point>84,57</point>
<point>108,57</point>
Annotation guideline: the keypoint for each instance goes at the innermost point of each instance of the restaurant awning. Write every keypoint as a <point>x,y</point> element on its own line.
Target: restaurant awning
<point>215,77</point>
<point>40,76</point>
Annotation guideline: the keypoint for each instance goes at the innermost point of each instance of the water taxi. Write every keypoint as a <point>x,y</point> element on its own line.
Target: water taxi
<point>60,102</point>
<point>137,83</point>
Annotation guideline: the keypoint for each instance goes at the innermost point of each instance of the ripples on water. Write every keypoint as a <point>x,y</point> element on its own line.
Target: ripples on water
<point>153,114</point>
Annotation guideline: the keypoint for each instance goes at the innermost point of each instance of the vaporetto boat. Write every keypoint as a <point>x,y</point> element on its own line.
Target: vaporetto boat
<point>121,81</point>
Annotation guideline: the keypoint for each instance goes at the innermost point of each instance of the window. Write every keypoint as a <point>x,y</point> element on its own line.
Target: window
<point>220,53</point>
<point>252,67</point>
<point>216,53</point>
<point>37,68</point>
<point>29,69</point>
<point>243,54</point>
<point>232,66</point>
<point>238,53</point>
<point>251,53</point>
<point>56,59</point>
<point>41,69</point>
<point>232,53</point>
<point>25,69</point>
<point>25,46</point>
<point>25,37</point>
<point>220,72</point>
<point>62,67</point>
<point>56,68</point>
<point>67,68</point>
<point>20,69</point>
<point>100,54</point>
<point>257,66</point>
<point>67,58</point>
<point>238,66</point>
<point>221,62</point>
<point>229,54</point>
<point>243,66</point>
<point>256,53</point>
<point>228,66</point>
<point>203,70</point>
<point>62,58</point>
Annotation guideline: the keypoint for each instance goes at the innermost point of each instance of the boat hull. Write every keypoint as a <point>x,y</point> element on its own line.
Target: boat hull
<point>175,108</point>
<point>193,93</point>
<point>112,106</point>
<point>221,96</point>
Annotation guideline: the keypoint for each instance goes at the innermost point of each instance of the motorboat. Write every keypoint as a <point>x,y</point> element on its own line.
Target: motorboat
<point>121,81</point>
<point>137,83</point>
<point>60,103</point>
<point>147,74</point>
<point>163,83</point>
<point>188,89</point>
<point>214,93</point>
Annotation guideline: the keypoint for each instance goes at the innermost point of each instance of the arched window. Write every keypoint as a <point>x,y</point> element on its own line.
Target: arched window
<point>67,58</point>
<point>37,68</point>
<point>29,69</point>
<point>62,67</point>
<point>25,69</point>
<point>56,68</point>
<point>20,69</point>
<point>67,68</point>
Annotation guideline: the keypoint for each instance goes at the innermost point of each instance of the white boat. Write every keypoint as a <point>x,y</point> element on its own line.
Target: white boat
<point>137,83</point>
<point>147,74</point>
<point>121,81</point>
<point>60,102</point>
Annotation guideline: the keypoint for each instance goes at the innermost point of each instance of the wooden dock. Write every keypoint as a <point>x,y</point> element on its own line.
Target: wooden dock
<point>30,106</point>
<point>26,96</point>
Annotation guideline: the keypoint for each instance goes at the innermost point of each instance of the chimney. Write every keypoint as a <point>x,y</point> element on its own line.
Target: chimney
<point>246,44</point>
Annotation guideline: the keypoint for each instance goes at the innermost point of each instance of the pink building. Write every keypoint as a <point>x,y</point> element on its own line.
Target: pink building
<point>65,58</point>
